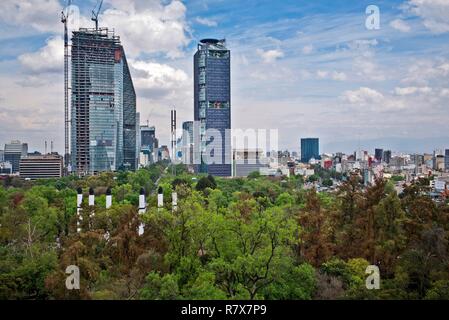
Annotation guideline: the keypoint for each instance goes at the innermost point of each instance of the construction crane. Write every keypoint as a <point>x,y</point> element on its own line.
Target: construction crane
<point>96,12</point>
<point>64,18</point>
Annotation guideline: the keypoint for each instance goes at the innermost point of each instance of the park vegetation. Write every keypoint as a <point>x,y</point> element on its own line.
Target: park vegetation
<point>242,238</point>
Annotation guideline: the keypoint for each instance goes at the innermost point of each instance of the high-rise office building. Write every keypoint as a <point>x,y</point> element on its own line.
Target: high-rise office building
<point>187,132</point>
<point>446,160</point>
<point>309,149</point>
<point>212,107</point>
<point>378,154</point>
<point>2,155</point>
<point>187,142</point>
<point>147,137</point>
<point>148,144</point>
<point>438,160</point>
<point>138,143</point>
<point>13,152</point>
<point>386,156</point>
<point>103,113</point>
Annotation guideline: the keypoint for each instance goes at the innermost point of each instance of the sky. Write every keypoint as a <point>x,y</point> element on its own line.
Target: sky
<point>306,68</point>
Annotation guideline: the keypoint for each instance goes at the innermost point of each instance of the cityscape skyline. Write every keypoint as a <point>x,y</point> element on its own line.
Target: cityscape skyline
<point>338,88</point>
<point>210,150</point>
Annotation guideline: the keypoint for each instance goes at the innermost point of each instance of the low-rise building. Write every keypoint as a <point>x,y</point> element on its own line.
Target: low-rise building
<point>41,167</point>
<point>246,161</point>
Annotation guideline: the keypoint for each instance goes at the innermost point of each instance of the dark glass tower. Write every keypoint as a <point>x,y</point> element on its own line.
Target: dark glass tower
<point>446,160</point>
<point>378,154</point>
<point>309,149</point>
<point>103,112</point>
<point>212,107</point>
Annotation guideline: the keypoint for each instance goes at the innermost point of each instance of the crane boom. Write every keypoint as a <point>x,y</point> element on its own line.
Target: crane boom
<point>95,13</point>
<point>64,18</point>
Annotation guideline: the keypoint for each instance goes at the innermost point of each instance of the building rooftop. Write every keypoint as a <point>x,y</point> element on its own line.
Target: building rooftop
<point>215,44</point>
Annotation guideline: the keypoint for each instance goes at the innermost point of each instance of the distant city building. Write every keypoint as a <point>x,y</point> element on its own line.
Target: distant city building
<point>138,136</point>
<point>103,114</point>
<point>164,153</point>
<point>5,168</point>
<point>398,162</point>
<point>438,162</point>
<point>41,167</point>
<point>187,134</point>
<point>148,145</point>
<point>187,142</point>
<point>147,137</point>
<point>247,161</point>
<point>378,154</point>
<point>309,149</point>
<point>386,156</point>
<point>212,106</point>
<point>446,160</point>
<point>2,155</point>
<point>13,152</point>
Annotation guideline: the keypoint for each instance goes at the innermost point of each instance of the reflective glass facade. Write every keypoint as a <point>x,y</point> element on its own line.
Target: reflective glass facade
<point>212,106</point>
<point>309,149</point>
<point>103,104</point>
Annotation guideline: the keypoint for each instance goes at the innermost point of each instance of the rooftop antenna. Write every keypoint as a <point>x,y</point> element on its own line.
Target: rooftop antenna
<point>64,18</point>
<point>45,146</point>
<point>96,12</point>
<point>173,139</point>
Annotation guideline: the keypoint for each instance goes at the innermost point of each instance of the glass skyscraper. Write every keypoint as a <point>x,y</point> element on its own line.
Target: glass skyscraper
<point>309,149</point>
<point>103,112</point>
<point>446,160</point>
<point>13,152</point>
<point>212,107</point>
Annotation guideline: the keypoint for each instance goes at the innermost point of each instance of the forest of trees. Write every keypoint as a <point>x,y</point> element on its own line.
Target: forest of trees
<point>241,238</point>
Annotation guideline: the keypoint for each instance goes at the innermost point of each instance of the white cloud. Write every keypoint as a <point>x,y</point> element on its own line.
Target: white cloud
<point>372,99</point>
<point>49,58</point>
<point>362,96</point>
<point>367,69</point>
<point>155,80</point>
<point>339,76</point>
<point>444,92</point>
<point>400,25</point>
<point>421,72</point>
<point>334,75</point>
<point>434,13</point>
<point>405,91</point>
<point>41,15</point>
<point>148,27</point>
<point>322,74</point>
<point>270,56</point>
<point>308,49</point>
<point>206,22</point>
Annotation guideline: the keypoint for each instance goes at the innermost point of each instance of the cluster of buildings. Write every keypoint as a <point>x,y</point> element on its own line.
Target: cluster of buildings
<point>16,160</point>
<point>106,133</point>
<point>400,167</point>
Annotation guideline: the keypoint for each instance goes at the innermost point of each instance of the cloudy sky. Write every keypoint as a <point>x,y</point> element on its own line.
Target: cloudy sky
<point>307,68</point>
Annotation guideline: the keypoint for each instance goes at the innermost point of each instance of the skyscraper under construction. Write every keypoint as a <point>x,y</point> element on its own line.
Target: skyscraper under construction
<point>103,108</point>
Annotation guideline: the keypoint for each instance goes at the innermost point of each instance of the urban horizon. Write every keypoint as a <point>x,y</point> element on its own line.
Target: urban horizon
<point>159,78</point>
<point>216,158</point>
